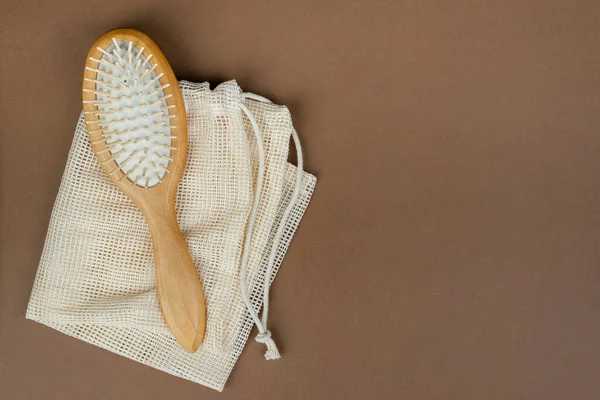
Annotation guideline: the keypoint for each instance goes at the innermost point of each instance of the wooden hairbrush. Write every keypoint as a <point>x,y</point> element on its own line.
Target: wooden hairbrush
<point>137,125</point>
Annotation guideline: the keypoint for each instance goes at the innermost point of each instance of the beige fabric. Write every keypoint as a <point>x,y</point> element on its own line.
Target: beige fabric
<point>96,276</point>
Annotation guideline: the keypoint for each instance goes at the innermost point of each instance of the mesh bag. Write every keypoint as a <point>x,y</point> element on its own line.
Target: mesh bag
<point>239,203</point>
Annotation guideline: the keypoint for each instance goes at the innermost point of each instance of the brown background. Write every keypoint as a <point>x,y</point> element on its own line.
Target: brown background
<point>451,250</point>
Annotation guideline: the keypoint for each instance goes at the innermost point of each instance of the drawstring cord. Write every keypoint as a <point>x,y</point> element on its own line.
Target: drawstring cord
<point>264,335</point>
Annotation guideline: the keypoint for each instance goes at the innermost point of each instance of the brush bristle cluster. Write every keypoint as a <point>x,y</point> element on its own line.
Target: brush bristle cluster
<point>133,117</point>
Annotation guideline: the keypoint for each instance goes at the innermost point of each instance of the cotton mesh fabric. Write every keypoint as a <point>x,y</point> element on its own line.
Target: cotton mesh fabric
<point>96,281</point>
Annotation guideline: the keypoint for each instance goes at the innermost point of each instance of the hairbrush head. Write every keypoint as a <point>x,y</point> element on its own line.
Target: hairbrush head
<point>133,109</point>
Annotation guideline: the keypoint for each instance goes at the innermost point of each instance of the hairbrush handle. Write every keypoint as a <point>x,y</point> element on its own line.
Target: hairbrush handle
<point>178,285</point>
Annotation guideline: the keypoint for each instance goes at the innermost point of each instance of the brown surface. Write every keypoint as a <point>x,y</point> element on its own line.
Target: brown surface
<point>451,250</point>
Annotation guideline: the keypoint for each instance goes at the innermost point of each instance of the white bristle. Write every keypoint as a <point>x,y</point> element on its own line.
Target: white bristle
<point>148,59</point>
<point>118,55</point>
<point>107,54</point>
<point>144,73</point>
<point>98,92</point>
<point>133,115</point>
<point>140,51</point>
<point>153,80</point>
<point>158,89</point>
<point>164,157</point>
<point>101,83</point>
<point>101,72</point>
<point>103,61</point>
<point>129,158</point>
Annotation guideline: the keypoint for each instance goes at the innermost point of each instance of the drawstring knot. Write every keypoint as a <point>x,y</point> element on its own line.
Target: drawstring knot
<point>262,337</point>
<point>272,352</point>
